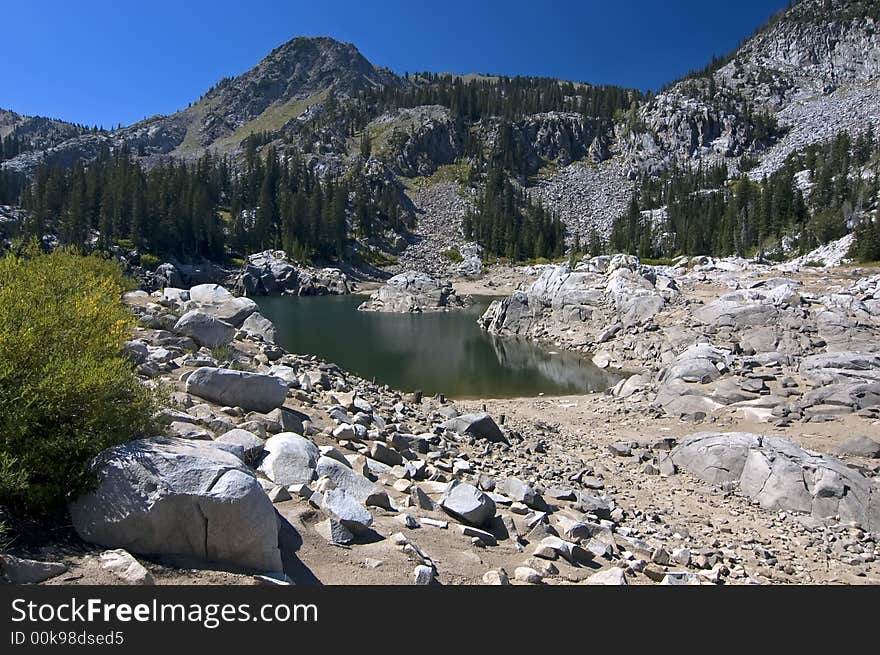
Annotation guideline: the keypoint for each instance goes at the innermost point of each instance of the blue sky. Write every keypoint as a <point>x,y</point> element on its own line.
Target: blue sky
<point>108,62</point>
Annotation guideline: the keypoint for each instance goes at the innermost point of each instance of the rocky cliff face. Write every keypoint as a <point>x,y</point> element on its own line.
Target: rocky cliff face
<point>810,49</point>
<point>558,137</point>
<point>416,141</point>
<point>676,129</point>
<point>802,70</point>
<point>813,70</point>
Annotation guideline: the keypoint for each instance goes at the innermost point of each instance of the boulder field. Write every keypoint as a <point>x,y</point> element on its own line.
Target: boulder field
<point>686,472</point>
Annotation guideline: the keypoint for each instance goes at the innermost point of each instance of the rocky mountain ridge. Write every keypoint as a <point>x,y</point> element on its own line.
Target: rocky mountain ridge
<point>811,72</point>
<point>283,86</point>
<point>37,132</point>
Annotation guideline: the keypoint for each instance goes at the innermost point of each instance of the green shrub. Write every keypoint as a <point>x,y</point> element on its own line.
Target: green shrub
<point>453,255</point>
<point>658,261</point>
<point>150,261</point>
<point>827,225</point>
<point>377,258</point>
<point>222,353</point>
<point>66,391</point>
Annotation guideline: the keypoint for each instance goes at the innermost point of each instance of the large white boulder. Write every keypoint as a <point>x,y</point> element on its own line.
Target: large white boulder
<point>780,475</point>
<point>290,459</point>
<point>185,501</point>
<point>216,301</point>
<point>204,329</point>
<point>250,391</point>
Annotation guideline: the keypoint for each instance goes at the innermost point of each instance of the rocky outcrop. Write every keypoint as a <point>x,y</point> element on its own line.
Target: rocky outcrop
<point>815,47</point>
<point>416,141</point>
<point>471,265</point>
<point>676,129</point>
<point>603,290</point>
<point>413,292</point>
<point>779,475</point>
<point>181,500</point>
<point>272,272</point>
<point>558,137</point>
<point>683,386</point>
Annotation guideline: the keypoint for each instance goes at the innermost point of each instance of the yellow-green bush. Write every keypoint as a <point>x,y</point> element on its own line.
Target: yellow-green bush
<point>66,391</point>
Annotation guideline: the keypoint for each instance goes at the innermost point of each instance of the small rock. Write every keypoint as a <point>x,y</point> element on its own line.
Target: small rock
<point>424,575</point>
<point>495,577</point>
<point>334,532</point>
<point>121,563</point>
<point>28,571</point>
<point>681,578</point>
<point>279,494</point>
<point>612,577</point>
<point>528,575</point>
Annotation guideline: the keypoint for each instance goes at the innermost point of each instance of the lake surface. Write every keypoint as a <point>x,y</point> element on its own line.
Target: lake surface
<point>438,352</point>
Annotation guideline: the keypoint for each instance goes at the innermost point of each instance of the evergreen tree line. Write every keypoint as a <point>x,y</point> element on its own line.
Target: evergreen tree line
<point>508,98</point>
<point>12,145</point>
<point>11,185</point>
<point>707,214</point>
<point>283,204</point>
<point>170,210</point>
<point>510,224</point>
<point>203,210</point>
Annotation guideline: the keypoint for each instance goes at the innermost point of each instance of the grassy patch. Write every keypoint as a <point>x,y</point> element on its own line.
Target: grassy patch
<point>540,261</point>
<point>271,120</point>
<point>222,353</point>
<point>199,110</point>
<point>458,173</point>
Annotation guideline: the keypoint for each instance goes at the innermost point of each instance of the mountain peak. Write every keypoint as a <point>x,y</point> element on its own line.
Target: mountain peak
<point>289,80</point>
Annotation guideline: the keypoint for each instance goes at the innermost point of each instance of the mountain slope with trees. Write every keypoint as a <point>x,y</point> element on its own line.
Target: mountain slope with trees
<point>315,114</point>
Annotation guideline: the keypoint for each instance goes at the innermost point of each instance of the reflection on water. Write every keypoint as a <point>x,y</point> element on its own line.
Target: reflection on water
<point>444,352</point>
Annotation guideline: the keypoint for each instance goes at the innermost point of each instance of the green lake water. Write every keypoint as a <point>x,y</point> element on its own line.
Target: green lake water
<point>438,352</point>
